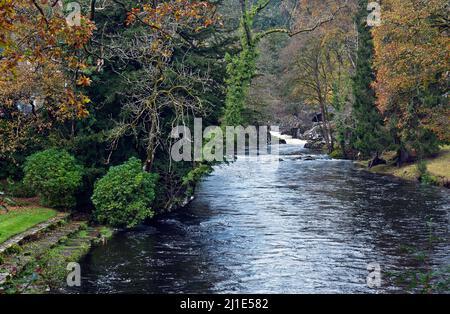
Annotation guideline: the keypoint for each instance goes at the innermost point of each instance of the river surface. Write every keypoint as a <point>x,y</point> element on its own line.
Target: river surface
<point>293,226</point>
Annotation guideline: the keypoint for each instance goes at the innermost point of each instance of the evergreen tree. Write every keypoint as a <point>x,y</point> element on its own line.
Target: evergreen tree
<point>369,136</point>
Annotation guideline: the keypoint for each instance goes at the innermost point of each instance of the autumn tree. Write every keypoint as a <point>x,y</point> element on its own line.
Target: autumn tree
<point>159,64</point>
<point>411,59</point>
<point>322,80</point>
<point>40,70</point>
<point>158,88</point>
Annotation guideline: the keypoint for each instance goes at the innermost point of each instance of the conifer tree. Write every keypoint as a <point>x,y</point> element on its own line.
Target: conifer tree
<point>369,135</point>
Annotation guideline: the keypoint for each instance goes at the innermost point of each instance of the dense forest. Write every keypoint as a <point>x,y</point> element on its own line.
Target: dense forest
<point>82,94</point>
<point>97,95</point>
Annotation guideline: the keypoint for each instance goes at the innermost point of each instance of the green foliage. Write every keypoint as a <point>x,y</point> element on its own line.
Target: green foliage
<point>13,249</point>
<point>9,168</point>
<point>337,154</point>
<point>55,176</point>
<point>18,189</point>
<point>424,175</point>
<point>191,179</point>
<point>83,226</point>
<point>106,233</point>
<point>422,167</point>
<point>4,202</point>
<point>414,137</point>
<point>123,197</point>
<point>369,136</point>
<point>240,71</point>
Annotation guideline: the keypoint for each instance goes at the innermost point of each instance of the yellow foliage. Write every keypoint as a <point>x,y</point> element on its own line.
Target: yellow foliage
<point>411,55</point>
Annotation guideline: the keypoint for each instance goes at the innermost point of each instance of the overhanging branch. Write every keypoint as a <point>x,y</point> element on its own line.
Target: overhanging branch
<point>291,33</point>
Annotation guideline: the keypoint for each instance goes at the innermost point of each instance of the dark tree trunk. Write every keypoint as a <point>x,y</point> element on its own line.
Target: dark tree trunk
<point>376,161</point>
<point>403,156</point>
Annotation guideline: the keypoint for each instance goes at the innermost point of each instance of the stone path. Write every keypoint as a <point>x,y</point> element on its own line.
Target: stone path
<point>14,264</point>
<point>33,232</point>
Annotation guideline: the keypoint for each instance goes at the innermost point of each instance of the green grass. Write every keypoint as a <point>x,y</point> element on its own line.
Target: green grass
<point>437,166</point>
<point>106,232</point>
<point>16,222</point>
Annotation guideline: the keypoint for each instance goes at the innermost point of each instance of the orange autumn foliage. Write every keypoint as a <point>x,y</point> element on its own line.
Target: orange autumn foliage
<point>412,55</point>
<point>35,36</point>
<point>188,14</point>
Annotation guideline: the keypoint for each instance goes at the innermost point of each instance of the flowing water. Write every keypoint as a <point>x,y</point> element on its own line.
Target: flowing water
<point>296,226</point>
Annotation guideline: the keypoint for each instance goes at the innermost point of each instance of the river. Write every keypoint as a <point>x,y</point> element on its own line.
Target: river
<point>293,226</point>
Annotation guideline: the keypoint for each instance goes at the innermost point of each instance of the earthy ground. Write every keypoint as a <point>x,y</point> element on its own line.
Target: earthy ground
<point>437,166</point>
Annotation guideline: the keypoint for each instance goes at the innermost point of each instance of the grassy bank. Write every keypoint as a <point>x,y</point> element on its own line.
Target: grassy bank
<point>37,261</point>
<point>17,221</point>
<point>437,168</point>
<point>42,264</point>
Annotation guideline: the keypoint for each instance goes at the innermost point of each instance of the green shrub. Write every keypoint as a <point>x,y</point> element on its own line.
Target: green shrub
<point>191,179</point>
<point>196,174</point>
<point>337,154</point>
<point>425,176</point>
<point>83,226</point>
<point>422,168</point>
<point>55,176</point>
<point>122,198</point>
<point>13,249</point>
<point>18,189</point>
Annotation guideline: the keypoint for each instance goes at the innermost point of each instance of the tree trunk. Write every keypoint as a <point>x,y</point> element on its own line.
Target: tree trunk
<point>152,143</point>
<point>325,129</point>
<point>403,156</point>
<point>376,161</point>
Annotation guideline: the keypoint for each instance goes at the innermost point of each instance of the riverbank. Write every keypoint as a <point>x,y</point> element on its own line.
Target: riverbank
<point>35,260</point>
<point>437,169</point>
<point>17,221</point>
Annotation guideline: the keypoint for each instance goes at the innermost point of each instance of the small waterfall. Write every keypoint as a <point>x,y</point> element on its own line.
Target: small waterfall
<point>289,139</point>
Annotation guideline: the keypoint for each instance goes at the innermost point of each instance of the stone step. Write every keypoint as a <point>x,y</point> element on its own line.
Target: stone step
<point>31,250</point>
<point>33,232</point>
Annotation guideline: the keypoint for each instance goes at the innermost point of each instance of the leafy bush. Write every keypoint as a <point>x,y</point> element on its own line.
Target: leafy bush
<point>18,189</point>
<point>13,249</point>
<point>424,176</point>
<point>337,154</point>
<point>55,176</point>
<point>122,198</point>
<point>196,174</point>
<point>191,179</point>
<point>422,167</point>
<point>5,202</point>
